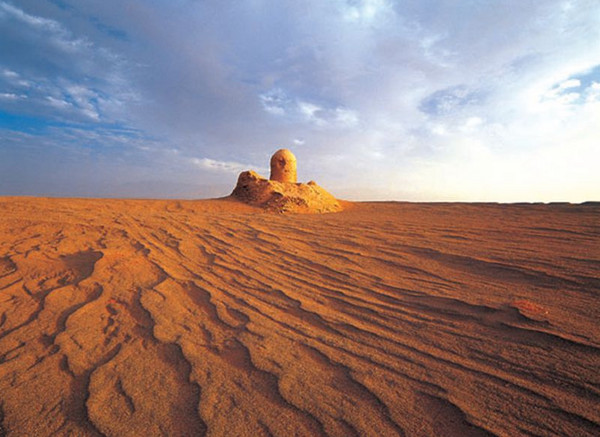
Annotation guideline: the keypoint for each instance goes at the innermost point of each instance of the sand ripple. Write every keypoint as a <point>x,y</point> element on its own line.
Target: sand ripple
<point>212,318</point>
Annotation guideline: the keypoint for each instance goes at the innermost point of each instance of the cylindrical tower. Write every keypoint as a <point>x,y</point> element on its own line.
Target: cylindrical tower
<point>283,166</point>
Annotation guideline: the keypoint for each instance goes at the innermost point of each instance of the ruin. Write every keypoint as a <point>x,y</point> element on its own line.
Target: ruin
<point>281,192</point>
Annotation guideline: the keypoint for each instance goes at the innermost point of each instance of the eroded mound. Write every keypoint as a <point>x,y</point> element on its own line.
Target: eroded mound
<point>284,197</point>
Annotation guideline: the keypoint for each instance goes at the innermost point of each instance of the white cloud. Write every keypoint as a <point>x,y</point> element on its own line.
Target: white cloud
<point>346,117</point>
<point>471,124</point>
<point>278,103</point>
<point>365,11</point>
<point>335,117</point>
<point>593,93</point>
<point>84,98</point>
<point>570,83</point>
<point>221,166</point>
<point>310,112</point>
<point>57,35</point>
<point>32,20</point>
<point>57,75</point>
<point>547,155</point>
<point>10,73</point>
<point>274,101</point>
<point>9,96</point>
<point>439,129</point>
<point>57,103</point>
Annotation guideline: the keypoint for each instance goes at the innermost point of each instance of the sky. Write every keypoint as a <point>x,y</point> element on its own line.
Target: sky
<point>419,100</point>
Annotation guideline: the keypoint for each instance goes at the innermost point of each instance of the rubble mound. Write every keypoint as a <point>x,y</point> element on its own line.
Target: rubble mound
<point>284,197</point>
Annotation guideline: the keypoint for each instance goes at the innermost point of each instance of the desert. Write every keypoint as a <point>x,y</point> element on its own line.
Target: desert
<point>286,218</point>
<point>214,317</point>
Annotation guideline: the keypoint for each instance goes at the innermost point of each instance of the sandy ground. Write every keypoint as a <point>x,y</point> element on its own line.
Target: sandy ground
<point>183,318</point>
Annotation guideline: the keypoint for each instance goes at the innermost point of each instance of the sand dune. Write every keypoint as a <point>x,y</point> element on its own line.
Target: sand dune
<point>129,318</point>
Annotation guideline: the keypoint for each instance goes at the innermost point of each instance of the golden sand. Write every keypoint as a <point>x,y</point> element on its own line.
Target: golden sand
<point>183,318</point>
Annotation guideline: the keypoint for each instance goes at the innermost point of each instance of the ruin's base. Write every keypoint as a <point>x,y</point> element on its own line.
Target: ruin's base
<point>283,197</point>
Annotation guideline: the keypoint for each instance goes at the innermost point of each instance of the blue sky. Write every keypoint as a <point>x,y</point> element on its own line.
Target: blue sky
<point>472,100</point>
